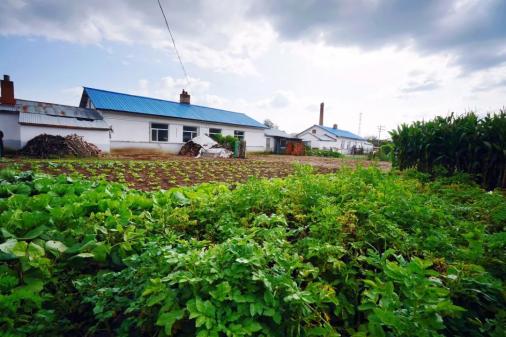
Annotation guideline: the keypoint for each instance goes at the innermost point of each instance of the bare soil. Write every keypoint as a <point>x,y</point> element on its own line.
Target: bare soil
<point>154,171</point>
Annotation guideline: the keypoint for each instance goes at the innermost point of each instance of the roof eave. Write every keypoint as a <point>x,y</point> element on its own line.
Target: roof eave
<point>189,119</point>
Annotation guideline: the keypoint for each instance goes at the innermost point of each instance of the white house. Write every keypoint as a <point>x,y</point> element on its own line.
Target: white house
<point>113,120</point>
<point>22,120</point>
<point>139,122</point>
<point>327,138</point>
<point>331,138</point>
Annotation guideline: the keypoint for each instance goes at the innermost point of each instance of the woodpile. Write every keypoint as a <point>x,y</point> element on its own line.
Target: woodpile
<point>49,146</point>
<point>190,149</point>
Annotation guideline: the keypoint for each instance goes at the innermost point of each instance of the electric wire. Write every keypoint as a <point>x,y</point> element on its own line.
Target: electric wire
<point>174,43</point>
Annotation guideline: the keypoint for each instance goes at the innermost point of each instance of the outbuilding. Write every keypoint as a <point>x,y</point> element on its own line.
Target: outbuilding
<point>22,120</point>
<point>280,142</point>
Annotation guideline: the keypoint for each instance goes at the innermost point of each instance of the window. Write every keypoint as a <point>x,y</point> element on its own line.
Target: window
<point>239,134</point>
<point>214,132</point>
<point>189,132</point>
<point>268,144</point>
<point>159,132</point>
<point>313,131</point>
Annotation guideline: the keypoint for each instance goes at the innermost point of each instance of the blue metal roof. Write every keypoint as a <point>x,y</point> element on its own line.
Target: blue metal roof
<point>108,100</point>
<point>341,133</point>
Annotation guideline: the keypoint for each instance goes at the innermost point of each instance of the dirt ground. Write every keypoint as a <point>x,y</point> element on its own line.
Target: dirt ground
<point>152,171</point>
<point>329,163</point>
<point>335,163</point>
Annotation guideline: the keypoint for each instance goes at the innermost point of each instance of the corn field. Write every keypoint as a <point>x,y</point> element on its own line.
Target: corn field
<point>453,144</point>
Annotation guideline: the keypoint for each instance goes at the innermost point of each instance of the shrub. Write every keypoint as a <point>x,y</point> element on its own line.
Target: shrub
<point>323,153</point>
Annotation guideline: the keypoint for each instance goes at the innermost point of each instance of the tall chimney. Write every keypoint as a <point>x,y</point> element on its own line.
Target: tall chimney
<point>184,97</point>
<point>7,91</point>
<point>321,114</point>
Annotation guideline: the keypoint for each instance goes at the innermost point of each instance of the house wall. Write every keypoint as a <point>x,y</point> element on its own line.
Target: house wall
<point>98,137</point>
<point>134,131</point>
<point>269,144</point>
<point>10,127</point>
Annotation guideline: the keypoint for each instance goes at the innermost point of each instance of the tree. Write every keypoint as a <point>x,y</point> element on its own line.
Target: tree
<point>270,124</point>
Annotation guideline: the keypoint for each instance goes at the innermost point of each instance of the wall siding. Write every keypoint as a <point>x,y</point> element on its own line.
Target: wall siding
<point>98,137</point>
<point>133,131</point>
<point>10,127</point>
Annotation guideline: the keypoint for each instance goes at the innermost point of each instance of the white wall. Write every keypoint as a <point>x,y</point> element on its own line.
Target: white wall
<point>133,131</point>
<point>98,137</point>
<point>10,127</point>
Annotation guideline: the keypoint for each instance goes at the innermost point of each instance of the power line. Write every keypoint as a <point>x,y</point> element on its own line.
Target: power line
<point>174,43</point>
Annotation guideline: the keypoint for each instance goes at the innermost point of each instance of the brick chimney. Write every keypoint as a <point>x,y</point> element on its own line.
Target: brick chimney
<point>321,114</point>
<point>7,91</point>
<point>334,126</point>
<point>184,97</point>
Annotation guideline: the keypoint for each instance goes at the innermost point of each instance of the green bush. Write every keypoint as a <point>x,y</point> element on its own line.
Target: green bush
<point>361,253</point>
<point>455,144</point>
<point>323,153</point>
<point>226,141</point>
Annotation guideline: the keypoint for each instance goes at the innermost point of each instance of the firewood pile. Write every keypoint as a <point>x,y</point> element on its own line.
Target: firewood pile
<point>48,146</point>
<point>190,149</point>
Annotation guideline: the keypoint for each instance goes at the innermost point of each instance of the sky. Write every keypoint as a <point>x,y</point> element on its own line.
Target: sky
<point>385,62</point>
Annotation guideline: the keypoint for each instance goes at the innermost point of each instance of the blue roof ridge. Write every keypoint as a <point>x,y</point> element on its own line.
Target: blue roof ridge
<point>163,100</point>
<point>328,128</point>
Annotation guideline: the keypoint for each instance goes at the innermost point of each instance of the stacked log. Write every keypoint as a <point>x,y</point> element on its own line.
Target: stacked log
<point>190,149</point>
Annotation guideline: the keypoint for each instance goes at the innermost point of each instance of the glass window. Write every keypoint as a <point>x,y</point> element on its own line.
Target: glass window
<point>313,131</point>
<point>189,132</point>
<point>213,132</point>
<point>159,132</point>
<point>239,134</point>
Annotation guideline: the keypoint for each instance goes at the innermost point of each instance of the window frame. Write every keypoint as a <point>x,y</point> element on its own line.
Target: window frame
<point>240,137</point>
<point>196,132</point>
<point>151,129</point>
<point>215,133</point>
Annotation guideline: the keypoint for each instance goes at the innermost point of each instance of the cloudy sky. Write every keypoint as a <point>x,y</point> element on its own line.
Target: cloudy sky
<point>393,61</point>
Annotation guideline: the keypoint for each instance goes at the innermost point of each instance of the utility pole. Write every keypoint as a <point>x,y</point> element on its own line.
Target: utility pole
<point>359,123</point>
<point>380,129</point>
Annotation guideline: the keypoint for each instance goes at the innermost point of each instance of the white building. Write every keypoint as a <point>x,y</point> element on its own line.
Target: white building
<point>332,138</point>
<point>139,122</point>
<point>113,120</point>
<point>22,120</point>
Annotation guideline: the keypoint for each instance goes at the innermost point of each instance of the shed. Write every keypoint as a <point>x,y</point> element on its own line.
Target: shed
<point>22,120</point>
<point>280,142</point>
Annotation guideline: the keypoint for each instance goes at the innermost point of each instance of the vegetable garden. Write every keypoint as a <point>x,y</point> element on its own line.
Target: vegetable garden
<point>160,174</point>
<point>353,253</point>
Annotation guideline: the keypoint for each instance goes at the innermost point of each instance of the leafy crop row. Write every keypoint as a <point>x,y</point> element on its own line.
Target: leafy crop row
<point>323,153</point>
<point>157,174</point>
<point>456,144</point>
<point>361,253</point>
